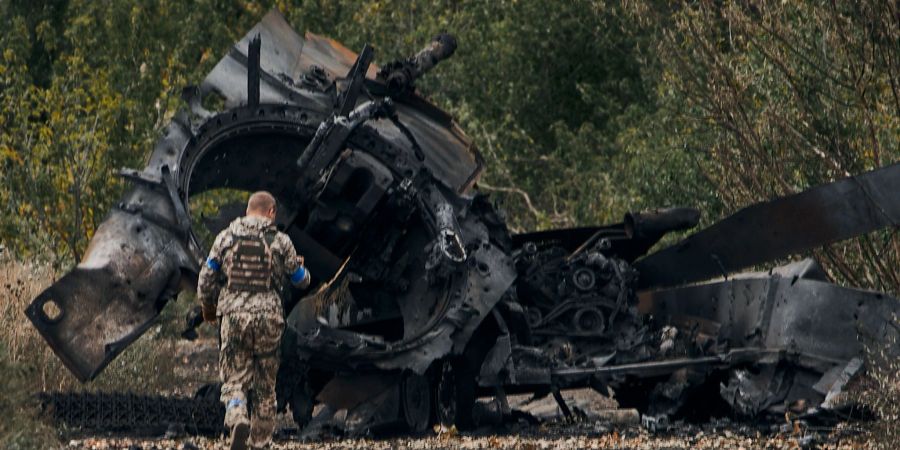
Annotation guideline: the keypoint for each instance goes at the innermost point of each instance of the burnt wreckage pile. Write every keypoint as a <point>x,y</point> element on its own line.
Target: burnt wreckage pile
<point>424,300</point>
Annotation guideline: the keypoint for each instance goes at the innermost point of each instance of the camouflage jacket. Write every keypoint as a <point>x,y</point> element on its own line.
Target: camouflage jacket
<point>212,289</point>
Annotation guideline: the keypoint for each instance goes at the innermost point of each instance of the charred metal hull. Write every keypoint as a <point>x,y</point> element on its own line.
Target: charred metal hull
<point>808,316</point>
<point>423,300</point>
<point>820,330</point>
<point>760,343</point>
<point>145,249</point>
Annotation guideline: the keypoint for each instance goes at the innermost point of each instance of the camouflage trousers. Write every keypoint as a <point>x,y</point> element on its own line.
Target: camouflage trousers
<point>248,363</point>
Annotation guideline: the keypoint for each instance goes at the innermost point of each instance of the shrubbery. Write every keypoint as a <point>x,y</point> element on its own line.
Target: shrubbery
<point>583,110</point>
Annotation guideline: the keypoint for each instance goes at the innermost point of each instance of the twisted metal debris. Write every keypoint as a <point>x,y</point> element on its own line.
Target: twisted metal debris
<point>426,301</point>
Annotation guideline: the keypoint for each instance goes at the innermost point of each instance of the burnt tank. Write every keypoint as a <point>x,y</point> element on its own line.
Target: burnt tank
<point>424,301</point>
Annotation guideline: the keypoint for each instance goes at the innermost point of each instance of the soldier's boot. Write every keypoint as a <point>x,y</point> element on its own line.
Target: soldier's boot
<point>236,419</point>
<point>240,433</point>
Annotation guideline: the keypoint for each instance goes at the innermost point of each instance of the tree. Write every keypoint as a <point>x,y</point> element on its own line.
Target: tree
<point>781,98</point>
<point>583,110</point>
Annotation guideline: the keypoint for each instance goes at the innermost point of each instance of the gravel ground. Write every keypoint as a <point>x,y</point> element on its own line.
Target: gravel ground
<point>613,440</point>
<point>550,436</point>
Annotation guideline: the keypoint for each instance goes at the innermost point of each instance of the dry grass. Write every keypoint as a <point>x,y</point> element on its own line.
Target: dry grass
<point>24,365</point>
<point>29,366</point>
<point>882,394</point>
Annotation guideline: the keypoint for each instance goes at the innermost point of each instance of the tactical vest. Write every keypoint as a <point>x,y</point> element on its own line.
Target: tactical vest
<point>249,267</point>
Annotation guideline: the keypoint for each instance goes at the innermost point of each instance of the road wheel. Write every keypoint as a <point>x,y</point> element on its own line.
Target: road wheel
<point>454,393</point>
<point>415,401</point>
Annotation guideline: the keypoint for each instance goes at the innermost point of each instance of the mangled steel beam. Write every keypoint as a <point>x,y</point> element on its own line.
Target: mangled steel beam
<point>766,231</point>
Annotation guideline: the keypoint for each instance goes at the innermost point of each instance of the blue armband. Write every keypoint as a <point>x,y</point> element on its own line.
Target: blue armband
<point>298,275</point>
<point>213,264</point>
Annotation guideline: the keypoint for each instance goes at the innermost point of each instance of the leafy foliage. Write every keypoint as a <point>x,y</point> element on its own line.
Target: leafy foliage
<point>543,87</point>
<point>782,98</point>
<point>85,87</point>
<point>583,110</point>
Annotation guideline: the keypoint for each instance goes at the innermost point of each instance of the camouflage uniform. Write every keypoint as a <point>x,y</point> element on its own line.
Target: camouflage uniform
<point>251,318</point>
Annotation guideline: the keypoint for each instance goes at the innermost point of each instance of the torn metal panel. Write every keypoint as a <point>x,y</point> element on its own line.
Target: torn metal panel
<point>128,273</point>
<point>286,58</point>
<point>813,318</point>
<point>436,316</point>
<point>495,361</point>
<point>283,58</point>
<point>763,232</point>
<point>750,393</point>
<point>820,329</point>
<point>833,382</point>
<point>494,275</point>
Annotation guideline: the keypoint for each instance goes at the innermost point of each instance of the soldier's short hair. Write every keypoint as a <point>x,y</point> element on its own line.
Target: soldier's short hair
<point>260,202</point>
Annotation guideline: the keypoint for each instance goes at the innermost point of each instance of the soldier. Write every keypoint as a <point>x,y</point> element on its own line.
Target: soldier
<point>251,258</point>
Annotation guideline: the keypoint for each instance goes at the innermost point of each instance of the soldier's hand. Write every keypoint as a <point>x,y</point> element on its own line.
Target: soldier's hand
<point>300,260</point>
<point>209,313</point>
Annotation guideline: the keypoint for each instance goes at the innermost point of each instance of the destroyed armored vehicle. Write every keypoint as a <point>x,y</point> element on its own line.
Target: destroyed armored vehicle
<point>423,301</point>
